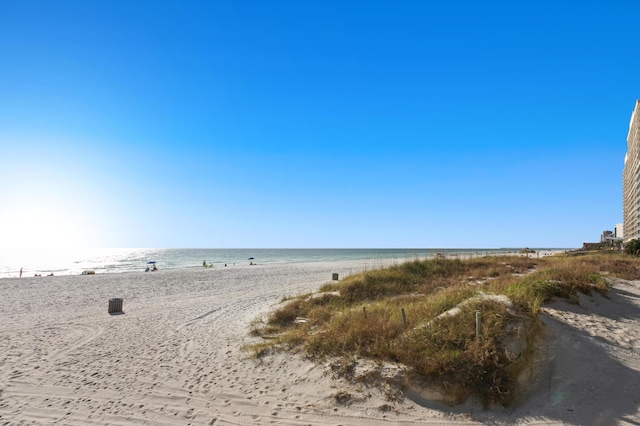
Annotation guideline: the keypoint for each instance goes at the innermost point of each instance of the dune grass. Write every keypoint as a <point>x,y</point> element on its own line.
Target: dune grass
<point>402,314</point>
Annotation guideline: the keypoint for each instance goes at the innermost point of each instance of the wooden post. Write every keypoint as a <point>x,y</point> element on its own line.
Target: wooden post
<point>364,311</point>
<point>477,325</point>
<point>404,318</point>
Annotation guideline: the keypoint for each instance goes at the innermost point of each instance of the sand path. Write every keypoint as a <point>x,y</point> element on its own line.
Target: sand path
<point>175,357</point>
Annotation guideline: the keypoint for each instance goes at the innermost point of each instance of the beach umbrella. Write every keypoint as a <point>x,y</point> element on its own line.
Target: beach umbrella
<point>251,258</point>
<point>149,263</point>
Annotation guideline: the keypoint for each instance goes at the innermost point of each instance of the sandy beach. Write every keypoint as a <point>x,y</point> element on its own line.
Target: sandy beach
<point>175,357</point>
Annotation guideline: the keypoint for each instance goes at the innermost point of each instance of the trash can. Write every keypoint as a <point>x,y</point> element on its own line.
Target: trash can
<point>335,277</point>
<point>115,306</point>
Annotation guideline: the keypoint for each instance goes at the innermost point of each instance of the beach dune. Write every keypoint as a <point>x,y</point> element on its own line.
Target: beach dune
<point>175,356</point>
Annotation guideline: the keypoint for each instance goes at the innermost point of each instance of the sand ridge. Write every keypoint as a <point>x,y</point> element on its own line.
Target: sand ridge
<point>175,357</point>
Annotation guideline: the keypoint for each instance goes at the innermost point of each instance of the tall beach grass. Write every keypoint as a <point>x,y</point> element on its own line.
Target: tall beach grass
<point>422,314</point>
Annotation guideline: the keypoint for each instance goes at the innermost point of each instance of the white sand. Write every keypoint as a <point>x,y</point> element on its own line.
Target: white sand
<point>175,357</point>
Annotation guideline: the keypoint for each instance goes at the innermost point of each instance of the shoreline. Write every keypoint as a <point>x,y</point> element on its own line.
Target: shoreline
<point>69,267</point>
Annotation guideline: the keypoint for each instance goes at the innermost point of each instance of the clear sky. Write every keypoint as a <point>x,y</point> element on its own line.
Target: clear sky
<point>314,123</point>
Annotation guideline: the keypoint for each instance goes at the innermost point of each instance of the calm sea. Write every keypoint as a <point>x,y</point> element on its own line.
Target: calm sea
<point>74,261</point>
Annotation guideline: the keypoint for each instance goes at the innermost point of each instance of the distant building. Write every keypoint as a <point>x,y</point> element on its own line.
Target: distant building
<point>619,231</point>
<point>606,236</point>
<point>631,179</point>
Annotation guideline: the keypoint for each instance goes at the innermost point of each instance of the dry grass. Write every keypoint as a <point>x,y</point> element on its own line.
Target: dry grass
<point>362,316</point>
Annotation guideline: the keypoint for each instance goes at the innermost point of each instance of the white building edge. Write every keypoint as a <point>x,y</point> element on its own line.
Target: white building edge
<point>631,180</point>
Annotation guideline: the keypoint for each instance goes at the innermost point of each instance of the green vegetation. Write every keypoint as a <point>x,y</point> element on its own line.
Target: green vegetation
<point>402,314</point>
<point>632,247</point>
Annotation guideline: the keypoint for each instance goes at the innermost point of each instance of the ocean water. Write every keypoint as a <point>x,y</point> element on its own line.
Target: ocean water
<point>74,261</point>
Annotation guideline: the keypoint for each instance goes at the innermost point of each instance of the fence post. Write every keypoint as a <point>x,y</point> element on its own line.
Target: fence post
<point>477,325</point>
<point>404,318</point>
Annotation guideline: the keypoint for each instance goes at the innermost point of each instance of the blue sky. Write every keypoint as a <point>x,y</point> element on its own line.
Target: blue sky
<point>314,123</point>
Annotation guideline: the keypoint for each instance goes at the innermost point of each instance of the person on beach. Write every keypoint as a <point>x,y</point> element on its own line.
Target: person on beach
<point>20,272</point>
